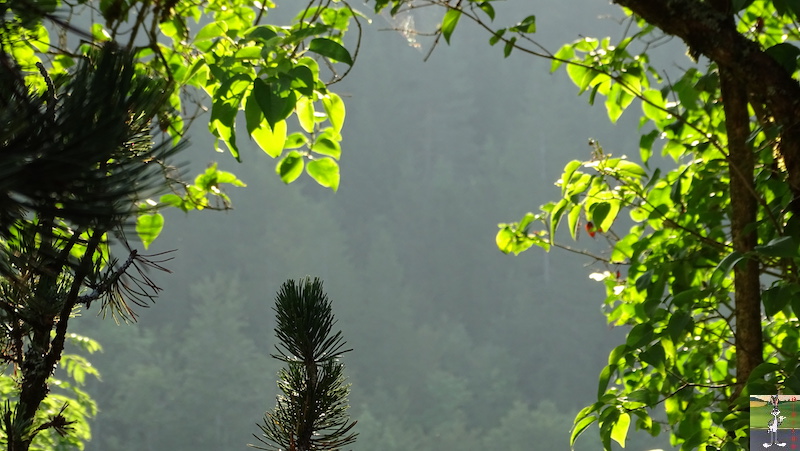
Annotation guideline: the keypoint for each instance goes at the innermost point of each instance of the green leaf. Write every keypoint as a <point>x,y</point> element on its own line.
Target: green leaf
<point>680,323</point>
<point>620,430</point>
<point>148,227</point>
<point>497,36</point>
<point>784,246</point>
<point>565,53</point>
<point>295,140</point>
<point>334,108</point>
<point>449,22</point>
<point>572,220</point>
<point>252,114</point>
<point>640,335</point>
<point>566,178</point>
<point>509,46</point>
<point>326,145</point>
<point>581,76</point>
<point>646,145</point>
<point>304,109</point>
<point>654,356</point>
<point>303,80</point>
<point>776,298</point>
<point>325,171</point>
<point>275,108</point>
<point>617,354</point>
<point>330,49</point>
<point>725,266</point>
<point>605,378</point>
<point>504,240</point>
<point>618,99</point>
<point>605,213</point>
<point>579,427</point>
<point>99,33</point>
<point>211,31</point>
<point>526,221</point>
<point>251,52</point>
<point>629,168</point>
<point>261,33</point>
<point>528,25</point>
<point>487,8</point>
<point>270,139</point>
<point>643,281</point>
<point>653,104</point>
<point>172,200</point>
<point>786,54</point>
<point>290,167</point>
<point>556,214</point>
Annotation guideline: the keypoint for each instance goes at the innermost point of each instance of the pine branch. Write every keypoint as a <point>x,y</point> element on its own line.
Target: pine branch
<point>312,412</point>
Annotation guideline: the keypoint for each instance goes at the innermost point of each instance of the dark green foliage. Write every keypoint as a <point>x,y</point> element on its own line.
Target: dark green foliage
<point>82,152</point>
<point>75,161</point>
<point>311,413</point>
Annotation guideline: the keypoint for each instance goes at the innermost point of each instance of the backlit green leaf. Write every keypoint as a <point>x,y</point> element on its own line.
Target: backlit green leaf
<point>334,108</point>
<point>148,227</point>
<point>449,22</point>
<point>304,109</point>
<point>270,140</point>
<point>653,105</point>
<point>572,220</point>
<point>325,171</point>
<point>211,31</point>
<point>295,140</point>
<point>620,430</point>
<point>290,167</point>
<point>579,427</point>
<point>565,53</point>
<point>330,49</point>
<point>325,145</point>
<point>566,179</point>
<point>487,8</point>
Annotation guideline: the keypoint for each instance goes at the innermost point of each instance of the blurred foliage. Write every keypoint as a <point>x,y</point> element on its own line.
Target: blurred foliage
<point>67,399</point>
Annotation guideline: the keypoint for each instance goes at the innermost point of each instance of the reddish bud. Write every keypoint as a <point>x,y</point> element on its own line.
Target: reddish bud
<point>590,229</point>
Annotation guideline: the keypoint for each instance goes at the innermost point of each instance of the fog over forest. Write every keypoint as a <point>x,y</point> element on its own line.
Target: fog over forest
<point>456,346</point>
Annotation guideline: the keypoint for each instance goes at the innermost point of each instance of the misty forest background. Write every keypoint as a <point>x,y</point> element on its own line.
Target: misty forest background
<point>456,346</point>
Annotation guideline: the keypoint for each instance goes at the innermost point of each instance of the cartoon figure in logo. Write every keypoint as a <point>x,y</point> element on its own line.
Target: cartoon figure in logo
<point>772,425</point>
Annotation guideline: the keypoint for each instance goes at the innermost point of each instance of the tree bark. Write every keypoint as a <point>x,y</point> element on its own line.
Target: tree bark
<point>747,289</point>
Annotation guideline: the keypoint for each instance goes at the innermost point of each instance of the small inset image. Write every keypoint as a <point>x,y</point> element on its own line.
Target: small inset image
<point>773,421</point>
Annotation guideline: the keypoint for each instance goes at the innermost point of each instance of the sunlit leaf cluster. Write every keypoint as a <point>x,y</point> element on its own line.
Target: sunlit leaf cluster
<point>668,272</point>
<point>668,268</point>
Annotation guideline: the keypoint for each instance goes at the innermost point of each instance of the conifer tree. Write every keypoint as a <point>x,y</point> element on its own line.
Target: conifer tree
<point>76,159</point>
<point>311,414</point>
